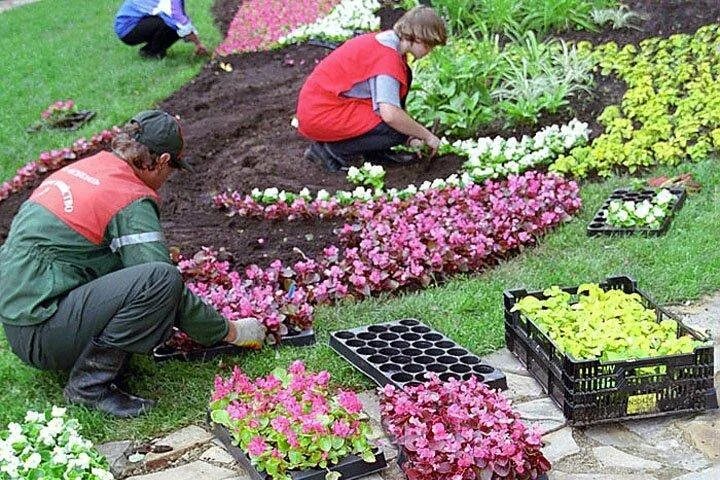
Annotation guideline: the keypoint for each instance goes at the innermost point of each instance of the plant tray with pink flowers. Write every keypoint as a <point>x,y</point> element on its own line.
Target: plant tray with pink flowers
<point>181,347</point>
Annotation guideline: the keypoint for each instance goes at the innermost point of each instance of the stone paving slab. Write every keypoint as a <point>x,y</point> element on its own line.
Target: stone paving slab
<point>180,442</point>
<point>712,473</point>
<point>613,457</point>
<point>196,470</point>
<point>559,445</point>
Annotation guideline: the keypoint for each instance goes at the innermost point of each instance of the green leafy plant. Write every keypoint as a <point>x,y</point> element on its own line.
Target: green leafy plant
<point>619,17</point>
<point>606,325</point>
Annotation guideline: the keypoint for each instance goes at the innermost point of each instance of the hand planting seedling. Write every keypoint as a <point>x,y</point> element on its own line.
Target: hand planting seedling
<point>641,214</point>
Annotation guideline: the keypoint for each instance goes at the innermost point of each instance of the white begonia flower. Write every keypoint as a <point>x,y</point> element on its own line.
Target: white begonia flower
<point>55,426</point>
<point>664,196</point>
<point>32,462</point>
<point>466,179</point>
<point>642,209</point>
<point>650,219</point>
<point>438,183</point>
<point>425,186</point>
<point>629,205</point>
<point>305,193</point>
<point>255,194</point>
<point>12,469</point>
<point>359,192</point>
<point>354,174</point>
<point>294,122</point>
<point>59,456</point>
<point>658,212</point>
<point>343,196</point>
<point>614,206</point>
<point>512,167</point>
<point>282,196</point>
<point>411,189</point>
<point>271,192</point>
<point>376,171</point>
<point>58,411</point>
<point>82,461</point>
<point>323,195</point>
<point>453,180</point>
<point>622,215</point>
<point>33,416</point>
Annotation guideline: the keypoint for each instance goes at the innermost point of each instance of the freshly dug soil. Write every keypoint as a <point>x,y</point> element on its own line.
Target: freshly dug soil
<point>238,137</point>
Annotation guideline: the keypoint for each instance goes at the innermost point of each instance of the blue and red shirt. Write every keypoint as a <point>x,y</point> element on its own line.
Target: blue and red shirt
<point>172,12</point>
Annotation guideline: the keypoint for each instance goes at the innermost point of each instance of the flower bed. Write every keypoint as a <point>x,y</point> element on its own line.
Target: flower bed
<point>290,421</point>
<point>460,430</point>
<point>613,354</point>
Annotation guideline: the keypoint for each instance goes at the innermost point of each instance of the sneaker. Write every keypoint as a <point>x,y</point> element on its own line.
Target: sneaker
<point>389,157</point>
<point>317,153</point>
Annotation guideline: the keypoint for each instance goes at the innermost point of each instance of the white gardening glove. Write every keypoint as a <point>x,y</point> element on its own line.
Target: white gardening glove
<point>247,332</point>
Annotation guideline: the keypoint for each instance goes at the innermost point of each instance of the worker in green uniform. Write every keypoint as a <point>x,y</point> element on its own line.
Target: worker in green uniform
<point>85,278</point>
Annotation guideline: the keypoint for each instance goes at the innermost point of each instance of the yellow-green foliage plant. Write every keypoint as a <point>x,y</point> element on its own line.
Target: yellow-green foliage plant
<point>670,112</point>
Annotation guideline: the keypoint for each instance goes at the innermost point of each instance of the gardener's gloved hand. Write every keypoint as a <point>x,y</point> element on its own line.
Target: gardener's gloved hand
<point>246,332</point>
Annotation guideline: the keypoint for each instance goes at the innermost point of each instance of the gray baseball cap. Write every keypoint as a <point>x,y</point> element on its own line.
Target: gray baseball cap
<point>161,133</point>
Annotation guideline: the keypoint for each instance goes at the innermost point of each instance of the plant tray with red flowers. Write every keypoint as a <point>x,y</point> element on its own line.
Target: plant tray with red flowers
<point>182,347</point>
<point>404,352</point>
<point>598,390</point>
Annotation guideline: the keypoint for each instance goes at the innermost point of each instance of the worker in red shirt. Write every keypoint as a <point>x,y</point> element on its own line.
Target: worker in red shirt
<point>353,102</point>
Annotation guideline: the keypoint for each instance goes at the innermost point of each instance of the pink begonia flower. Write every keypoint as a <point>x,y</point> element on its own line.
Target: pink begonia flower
<point>257,446</point>
<point>350,401</point>
<point>237,411</point>
<point>341,429</point>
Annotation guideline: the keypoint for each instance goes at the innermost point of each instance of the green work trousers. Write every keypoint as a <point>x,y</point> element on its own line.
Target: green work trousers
<point>132,309</point>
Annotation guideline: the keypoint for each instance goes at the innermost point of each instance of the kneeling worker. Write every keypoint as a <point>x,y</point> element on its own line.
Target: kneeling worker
<point>85,278</point>
<point>353,102</point>
<point>156,23</point>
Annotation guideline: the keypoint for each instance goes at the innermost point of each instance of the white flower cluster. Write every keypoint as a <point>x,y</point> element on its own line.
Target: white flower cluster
<point>48,446</point>
<point>498,157</point>
<point>646,213</point>
<point>348,17</point>
<point>368,174</point>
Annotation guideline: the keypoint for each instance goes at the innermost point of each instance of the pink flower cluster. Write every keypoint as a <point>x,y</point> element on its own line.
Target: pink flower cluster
<point>289,419</point>
<point>460,430</point>
<point>55,159</point>
<point>57,108</point>
<point>260,293</point>
<point>259,23</point>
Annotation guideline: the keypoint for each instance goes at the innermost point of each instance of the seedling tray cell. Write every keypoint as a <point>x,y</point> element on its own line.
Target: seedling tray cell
<point>165,352</point>
<point>403,352</point>
<point>350,467</point>
<point>600,225</point>
<point>590,392</point>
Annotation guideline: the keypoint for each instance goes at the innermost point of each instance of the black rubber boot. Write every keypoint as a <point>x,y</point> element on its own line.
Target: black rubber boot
<point>388,157</point>
<point>318,153</point>
<point>91,383</point>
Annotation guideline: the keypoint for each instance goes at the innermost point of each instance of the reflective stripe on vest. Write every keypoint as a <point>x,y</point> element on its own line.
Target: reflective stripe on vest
<point>87,194</point>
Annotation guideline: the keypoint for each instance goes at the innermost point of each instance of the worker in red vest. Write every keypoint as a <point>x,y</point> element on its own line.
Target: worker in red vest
<point>353,102</point>
<point>85,278</point>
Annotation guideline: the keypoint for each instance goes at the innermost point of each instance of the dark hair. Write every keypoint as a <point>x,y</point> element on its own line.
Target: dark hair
<point>132,151</point>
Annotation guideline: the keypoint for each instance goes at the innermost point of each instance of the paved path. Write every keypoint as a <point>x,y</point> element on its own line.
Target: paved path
<point>8,4</point>
<point>683,447</point>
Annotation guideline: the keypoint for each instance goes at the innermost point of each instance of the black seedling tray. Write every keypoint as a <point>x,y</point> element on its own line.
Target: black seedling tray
<point>350,467</point>
<point>590,392</point>
<point>165,352</point>
<point>404,351</point>
<point>600,226</point>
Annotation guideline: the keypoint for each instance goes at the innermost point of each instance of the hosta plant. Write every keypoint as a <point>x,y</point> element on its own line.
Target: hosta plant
<point>48,445</point>
<point>606,325</point>
<point>460,430</point>
<point>643,214</point>
<point>291,420</point>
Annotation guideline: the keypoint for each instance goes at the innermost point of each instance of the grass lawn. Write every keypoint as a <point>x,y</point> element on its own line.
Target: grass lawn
<point>52,53</point>
<point>88,64</point>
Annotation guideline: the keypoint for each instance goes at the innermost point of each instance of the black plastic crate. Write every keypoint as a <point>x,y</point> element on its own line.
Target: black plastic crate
<point>164,352</point>
<point>590,392</point>
<point>350,467</point>
<point>404,351</point>
<point>599,225</point>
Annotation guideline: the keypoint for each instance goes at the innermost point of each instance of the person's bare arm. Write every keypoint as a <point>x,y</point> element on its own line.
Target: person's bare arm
<point>403,123</point>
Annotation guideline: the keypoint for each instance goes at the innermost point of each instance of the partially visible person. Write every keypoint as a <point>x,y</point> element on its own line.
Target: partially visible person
<point>353,103</point>
<point>86,280</point>
<point>156,23</point>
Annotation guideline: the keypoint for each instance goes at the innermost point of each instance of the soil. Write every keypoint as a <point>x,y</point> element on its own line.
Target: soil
<point>238,136</point>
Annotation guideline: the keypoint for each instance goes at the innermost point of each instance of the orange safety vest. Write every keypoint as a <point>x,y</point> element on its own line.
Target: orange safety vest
<point>87,194</point>
<point>323,114</point>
